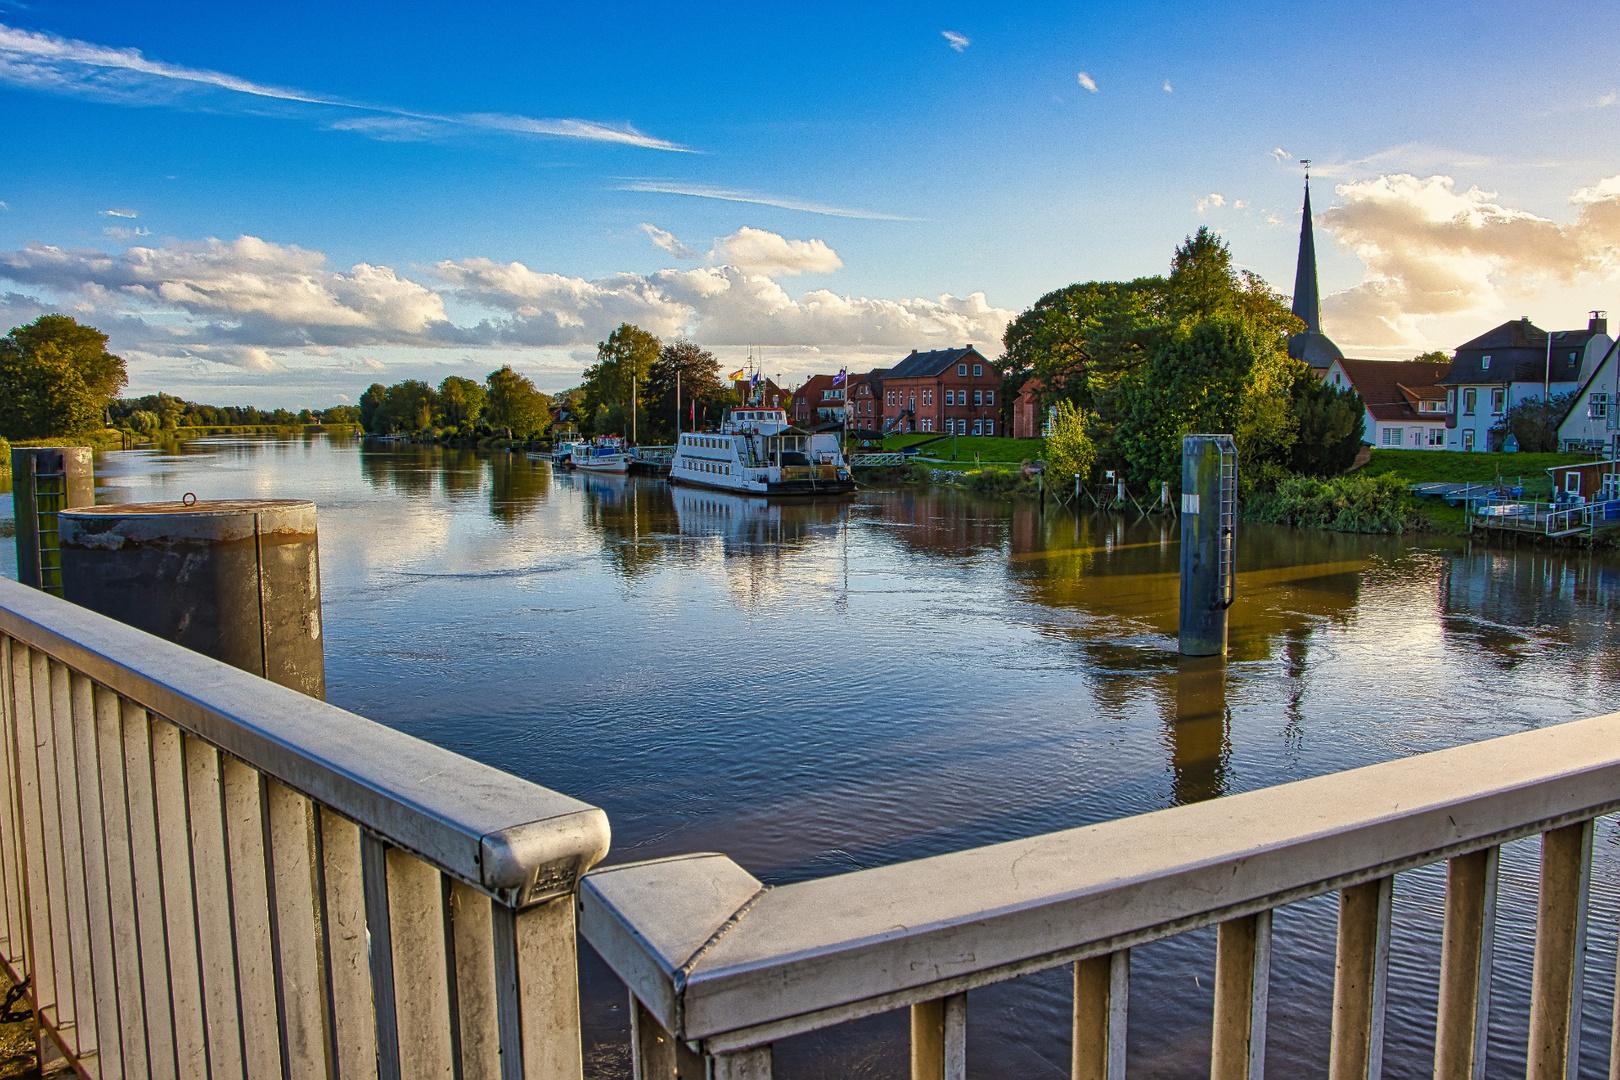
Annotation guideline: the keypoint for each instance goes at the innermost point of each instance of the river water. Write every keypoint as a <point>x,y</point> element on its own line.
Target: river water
<point>814,688</point>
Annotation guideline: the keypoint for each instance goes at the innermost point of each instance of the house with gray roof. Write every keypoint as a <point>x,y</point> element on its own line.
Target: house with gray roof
<point>1512,363</point>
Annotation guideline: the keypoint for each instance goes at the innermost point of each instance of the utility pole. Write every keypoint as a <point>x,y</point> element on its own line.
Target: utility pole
<point>677,404</point>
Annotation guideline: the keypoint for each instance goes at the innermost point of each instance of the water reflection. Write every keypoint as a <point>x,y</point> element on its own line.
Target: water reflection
<point>1197,730</point>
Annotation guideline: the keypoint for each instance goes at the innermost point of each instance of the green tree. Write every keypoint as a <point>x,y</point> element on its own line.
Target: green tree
<point>623,362</point>
<point>460,401</point>
<point>515,405</point>
<point>56,379</point>
<point>700,385</point>
<point>1331,425</point>
<point>1069,450</point>
<point>371,403</point>
<point>1434,356</point>
<point>1534,422</point>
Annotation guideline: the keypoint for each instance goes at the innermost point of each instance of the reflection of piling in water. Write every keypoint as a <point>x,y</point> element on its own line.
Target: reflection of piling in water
<point>1198,731</point>
<point>1208,542</point>
<point>238,581</point>
<point>44,481</point>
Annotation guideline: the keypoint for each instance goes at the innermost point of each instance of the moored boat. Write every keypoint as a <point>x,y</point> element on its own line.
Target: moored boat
<point>756,451</point>
<point>605,453</point>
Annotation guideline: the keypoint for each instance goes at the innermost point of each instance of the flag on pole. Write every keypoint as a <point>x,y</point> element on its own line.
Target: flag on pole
<point>843,374</point>
<point>694,412</point>
<point>739,373</point>
<point>755,380</point>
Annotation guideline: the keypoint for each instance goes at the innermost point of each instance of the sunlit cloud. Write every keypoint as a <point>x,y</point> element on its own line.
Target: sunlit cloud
<point>756,251</point>
<point>1213,200</point>
<point>1088,82</point>
<point>667,241</point>
<point>1433,252</point>
<point>706,191</point>
<point>1281,155</point>
<point>52,64</point>
<point>959,42</point>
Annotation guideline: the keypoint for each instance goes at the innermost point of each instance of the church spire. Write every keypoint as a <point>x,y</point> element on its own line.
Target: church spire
<point>1307,305</point>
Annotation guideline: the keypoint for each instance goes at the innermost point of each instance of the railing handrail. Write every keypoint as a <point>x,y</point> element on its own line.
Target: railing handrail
<point>716,956</point>
<point>513,839</point>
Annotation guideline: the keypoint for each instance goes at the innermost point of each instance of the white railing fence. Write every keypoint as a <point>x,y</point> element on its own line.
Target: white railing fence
<point>206,874</point>
<point>720,967</point>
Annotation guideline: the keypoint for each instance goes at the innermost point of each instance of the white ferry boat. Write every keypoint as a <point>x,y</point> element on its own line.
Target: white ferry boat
<point>605,453</point>
<point>756,451</point>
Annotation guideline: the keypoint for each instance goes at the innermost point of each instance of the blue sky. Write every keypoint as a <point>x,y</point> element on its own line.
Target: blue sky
<point>282,203</point>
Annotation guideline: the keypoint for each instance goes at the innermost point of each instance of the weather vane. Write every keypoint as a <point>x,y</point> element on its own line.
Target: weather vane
<point>1307,163</point>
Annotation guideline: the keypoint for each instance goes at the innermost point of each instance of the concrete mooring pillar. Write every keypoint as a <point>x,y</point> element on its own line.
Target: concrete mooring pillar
<point>236,580</point>
<point>45,480</point>
<point>1208,542</point>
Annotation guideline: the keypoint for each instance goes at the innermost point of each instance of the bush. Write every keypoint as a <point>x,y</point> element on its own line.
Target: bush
<point>1354,503</point>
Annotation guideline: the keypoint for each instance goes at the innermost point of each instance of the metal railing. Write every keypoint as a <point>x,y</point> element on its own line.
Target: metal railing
<point>206,874</point>
<point>721,967</point>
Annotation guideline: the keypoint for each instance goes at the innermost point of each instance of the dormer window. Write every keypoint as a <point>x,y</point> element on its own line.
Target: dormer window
<point>1485,363</point>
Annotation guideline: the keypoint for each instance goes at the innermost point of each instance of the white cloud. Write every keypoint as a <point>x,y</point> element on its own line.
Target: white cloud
<point>1281,155</point>
<point>120,213</point>
<point>1241,204</point>
<point>1434,253</point>
<point>756,251</point>
<point>667,241</point>
<point>1088,82</point>
<point>1212,200</point>
<point>708,191</point>
<point>959,42</point>
<point>120,232</point>
<point>1167,88</point>
<point>276,312</point>
<point>54,64</point>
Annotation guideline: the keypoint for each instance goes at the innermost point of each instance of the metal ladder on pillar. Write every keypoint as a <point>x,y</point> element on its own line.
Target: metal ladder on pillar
<point>1226,587</point>
<point>50,498</point>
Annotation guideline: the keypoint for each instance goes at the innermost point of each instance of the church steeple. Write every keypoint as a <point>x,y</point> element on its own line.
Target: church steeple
<point>1310,344</point>
<point>1307,305</point>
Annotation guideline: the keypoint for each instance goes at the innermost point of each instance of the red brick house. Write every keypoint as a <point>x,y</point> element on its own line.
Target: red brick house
<point>951,391</point>
<point>1027,419</point>
<point>811,401</point>
<point>866,401</point>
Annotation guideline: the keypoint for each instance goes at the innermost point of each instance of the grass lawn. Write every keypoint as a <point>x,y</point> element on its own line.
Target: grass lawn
<point>1425,466</point>
<point>988,447</point>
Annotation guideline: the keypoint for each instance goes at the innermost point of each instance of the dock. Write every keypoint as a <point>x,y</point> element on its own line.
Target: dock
<point>1549,520</point>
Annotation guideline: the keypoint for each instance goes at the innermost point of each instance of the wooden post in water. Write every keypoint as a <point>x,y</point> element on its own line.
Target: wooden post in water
<point>1208,542</point>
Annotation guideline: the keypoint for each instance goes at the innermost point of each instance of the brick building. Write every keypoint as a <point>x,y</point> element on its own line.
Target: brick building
<point>1028,421</point>
<point>952,391</point>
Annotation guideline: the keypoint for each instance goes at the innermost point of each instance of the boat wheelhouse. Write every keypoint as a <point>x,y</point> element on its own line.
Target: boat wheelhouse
<point>756,450</point>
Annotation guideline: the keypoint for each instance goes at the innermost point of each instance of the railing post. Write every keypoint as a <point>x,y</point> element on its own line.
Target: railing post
<point>939,1039</point>
<point>1357,1048</point>
<point>1556,980</point>
<point>655,1054</point>
<point>1242,981</point>
<point>1464,1009</point>
<point>1101,1004</point>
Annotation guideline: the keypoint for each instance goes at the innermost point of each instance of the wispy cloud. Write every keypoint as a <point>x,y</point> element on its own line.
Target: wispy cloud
<point>1167,87</point>
<point>1088,82</point>
<point>1214,200</point>
<point>706,191</point>
<point>120,232</point>
<point>1281,155</point>
<point>667,241</point>
<point>959,42</point>
<point>59,65</point>
<point>120,213</point>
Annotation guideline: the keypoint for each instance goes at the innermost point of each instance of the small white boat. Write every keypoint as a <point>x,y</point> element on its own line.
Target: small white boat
<point>603,454</point>
<point>756,451</point>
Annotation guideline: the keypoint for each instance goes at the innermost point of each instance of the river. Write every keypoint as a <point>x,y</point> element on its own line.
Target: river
<point>814,688</point>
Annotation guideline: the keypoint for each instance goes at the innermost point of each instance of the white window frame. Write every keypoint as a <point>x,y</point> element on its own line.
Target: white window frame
<point>978,371</point>
<point>990,426</point>
<point>1485,363</point>
<point>978,427</point>
<point>978,397</point>
<point>989,397</point>
<point>961,369</point>
<point>1498,401</point>
<point>1468,439</point>
<point>1572,482</point>
<point>1437,436</point>
<point>1597,406</point>
<point>1470,401</point>
<point>1392,436</point>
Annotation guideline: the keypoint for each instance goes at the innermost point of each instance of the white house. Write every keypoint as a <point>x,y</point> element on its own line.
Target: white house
<point>1515,361</point>
<point>1406,406</point>
<point>1594,416</point>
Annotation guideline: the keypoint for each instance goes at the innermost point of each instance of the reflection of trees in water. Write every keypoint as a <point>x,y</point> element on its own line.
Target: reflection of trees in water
<point>461,471</point>
<point>517,485</point>
<point>401,468</point>
<point>1513,602</point>
<point>632,517</point>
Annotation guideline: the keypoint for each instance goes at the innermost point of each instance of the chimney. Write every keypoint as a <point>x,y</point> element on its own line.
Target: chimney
<point>968,346</point>
<point>1599,323</point>
<point>913,352</point>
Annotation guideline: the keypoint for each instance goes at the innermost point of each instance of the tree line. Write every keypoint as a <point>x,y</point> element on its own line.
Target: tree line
<point>1130,366</point>
<point>640,382</point>
<point>505,403</point>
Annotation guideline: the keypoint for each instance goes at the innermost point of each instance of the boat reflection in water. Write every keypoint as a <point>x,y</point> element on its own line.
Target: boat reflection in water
<point>753,524</point>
